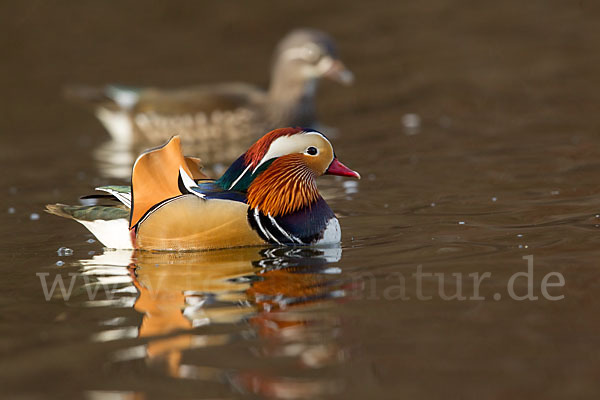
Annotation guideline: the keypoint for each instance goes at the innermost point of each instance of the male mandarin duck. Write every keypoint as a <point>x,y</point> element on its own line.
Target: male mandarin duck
<point>223,112</point>
<point>268,196</point>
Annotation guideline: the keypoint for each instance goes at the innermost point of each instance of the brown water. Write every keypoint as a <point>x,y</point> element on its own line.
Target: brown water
<point>504,165</point>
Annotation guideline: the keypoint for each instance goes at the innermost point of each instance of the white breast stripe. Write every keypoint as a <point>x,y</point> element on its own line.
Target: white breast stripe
<point>266,232</point>
<point>189,183</point>
<point>287,235</point>
<point>239,177</point>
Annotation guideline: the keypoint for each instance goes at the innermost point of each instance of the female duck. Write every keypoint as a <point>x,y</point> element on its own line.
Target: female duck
<point>268,196</point>
<point>226,112</point>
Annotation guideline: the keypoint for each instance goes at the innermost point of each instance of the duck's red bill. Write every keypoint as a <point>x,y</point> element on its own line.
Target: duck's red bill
<point>337,168</point>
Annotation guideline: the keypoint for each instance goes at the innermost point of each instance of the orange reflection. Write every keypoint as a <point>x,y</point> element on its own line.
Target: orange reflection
<point>268,289</point>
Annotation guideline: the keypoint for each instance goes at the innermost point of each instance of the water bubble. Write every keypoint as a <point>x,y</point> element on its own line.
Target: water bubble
<point>11,210</point>
<point>90,241</point>
<point>64,251</point>
<point>494,199</point>
<point>519,235</point>
<point>386,205</point>
<point>372,177</point>
<point>461,222</point>
<point>555,192</point>
<point>411,121</point>
<point>91,252</point>
<point>34,216</point>
<point>350,187</point>
<point>432,204</point>
<point>60,263</point>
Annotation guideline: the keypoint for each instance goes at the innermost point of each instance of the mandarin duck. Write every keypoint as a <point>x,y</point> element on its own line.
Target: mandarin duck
<point>218,113</point>
<point>268,196</point>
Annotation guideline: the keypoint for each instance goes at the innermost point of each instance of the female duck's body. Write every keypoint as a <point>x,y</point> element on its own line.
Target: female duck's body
<point>227,112</point>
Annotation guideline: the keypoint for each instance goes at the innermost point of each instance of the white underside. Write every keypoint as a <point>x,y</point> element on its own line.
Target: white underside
<point>117,123</point>
<point>113,234</point>
<point>332,233</point>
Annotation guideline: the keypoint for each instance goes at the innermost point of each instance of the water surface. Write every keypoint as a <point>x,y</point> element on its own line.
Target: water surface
<point>502,165</point>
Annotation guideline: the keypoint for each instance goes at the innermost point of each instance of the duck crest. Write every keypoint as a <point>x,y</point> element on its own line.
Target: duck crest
<point>259,149</point>
<point>240,175</point>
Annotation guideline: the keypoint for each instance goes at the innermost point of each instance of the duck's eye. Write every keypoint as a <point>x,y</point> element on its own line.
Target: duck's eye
<point>312,151</point>
<point>312,53</point>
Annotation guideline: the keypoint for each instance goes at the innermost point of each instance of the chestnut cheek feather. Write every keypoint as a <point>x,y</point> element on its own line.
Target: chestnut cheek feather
<point>285,187</point>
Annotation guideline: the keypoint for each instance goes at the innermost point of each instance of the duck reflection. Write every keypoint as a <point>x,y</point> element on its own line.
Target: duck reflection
<point>199,307</point>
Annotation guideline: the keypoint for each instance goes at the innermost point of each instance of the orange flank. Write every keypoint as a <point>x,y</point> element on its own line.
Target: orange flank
<point>191,223</point>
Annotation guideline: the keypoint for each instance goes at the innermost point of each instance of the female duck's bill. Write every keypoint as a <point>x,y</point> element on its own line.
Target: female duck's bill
<point>268,196</point>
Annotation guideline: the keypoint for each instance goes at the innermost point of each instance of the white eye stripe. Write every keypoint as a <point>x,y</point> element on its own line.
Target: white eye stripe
<point>316,133</point>
<point>309,52</point>
<point>286,145</point>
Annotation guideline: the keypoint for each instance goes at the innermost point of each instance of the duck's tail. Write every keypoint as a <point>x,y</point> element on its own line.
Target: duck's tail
<point>110,96</point>
<point>158,175</point>
<point>111,104</point>
<point>110,224</point>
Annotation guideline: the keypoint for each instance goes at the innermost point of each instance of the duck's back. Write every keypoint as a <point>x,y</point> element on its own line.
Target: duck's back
<point>226,112</point>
